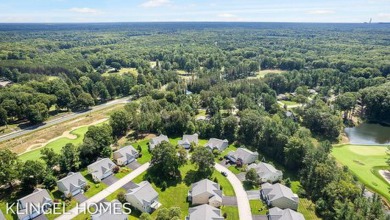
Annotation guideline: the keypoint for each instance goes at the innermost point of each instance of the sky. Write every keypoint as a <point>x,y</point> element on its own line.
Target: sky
<point>53,11</point>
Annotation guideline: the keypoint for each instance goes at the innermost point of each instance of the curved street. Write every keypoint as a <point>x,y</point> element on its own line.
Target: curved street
<point>244,209</point>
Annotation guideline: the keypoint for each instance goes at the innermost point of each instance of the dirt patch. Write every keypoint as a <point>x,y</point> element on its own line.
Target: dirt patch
<point>23,143</point>
<point>358,162</point>
<point>385,174</point>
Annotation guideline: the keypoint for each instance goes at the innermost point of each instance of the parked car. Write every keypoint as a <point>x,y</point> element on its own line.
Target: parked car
<point>224,173</point>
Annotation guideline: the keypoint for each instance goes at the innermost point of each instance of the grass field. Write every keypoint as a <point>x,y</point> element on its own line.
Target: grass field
<point>364,162</point>
<point>56,145</point>
<point>258,207</point>
<point>231,212</point>
<point>122,71</point>
<point>262,73</point>
<point>289,103</point>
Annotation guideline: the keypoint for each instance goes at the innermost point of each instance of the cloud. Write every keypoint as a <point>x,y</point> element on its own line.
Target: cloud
<point>227,15</point>
<point>84,10</point>
<point>155,3</point>
<point>320,12</point>
<point>384,16</point>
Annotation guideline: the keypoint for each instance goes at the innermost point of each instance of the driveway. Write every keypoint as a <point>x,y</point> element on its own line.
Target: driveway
<point>241,176</point>
<point>110,180</point>
<point>104,193</point>
<point>259,217</point>
<point>129,185</point>
<point>244,209</point>
<point>133,165</point>
<point>229,200</point>
<point>41,217</point>
<point>224,163</point>
<point>253,194</point>
<point>80,198</point>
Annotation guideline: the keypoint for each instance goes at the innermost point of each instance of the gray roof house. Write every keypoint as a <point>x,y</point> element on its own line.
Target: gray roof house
<point>2,217</point>
<point>218,144</point>
<point>157,140</point>
<point>278,195</point>
<point>110,210</point>
<point>143,197</point>
<point>266,172</point>
<point>187,140</point>
<point>101,169</point>
<point>204,212</point>
<point>205,192</point>
<point>72,184</point>
<point>33,205</point>
<point>125,155</point>
<point>243,156</point>
<point>284,214</point>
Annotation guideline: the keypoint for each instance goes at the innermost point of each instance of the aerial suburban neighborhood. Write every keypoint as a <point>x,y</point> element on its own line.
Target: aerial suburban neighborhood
<point>194,110</point>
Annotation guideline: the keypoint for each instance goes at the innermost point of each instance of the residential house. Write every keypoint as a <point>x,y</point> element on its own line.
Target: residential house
<point>218,144</point>
<point>278,195</point>
<point>33,205</point>
<point>157,140</point>
<point>266,172</point>
<point>101,169</point>
<point>187,140</point>
<point>284,214</point>
<point>72,184</point>
<point>205,192</point>
<point>242,156</point>
<point>143,197</point>
<point>109,210</point>
<point>204,212</point>
<point>125,155</point>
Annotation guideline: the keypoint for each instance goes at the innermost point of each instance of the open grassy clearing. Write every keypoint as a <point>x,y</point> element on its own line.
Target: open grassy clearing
<point>363,162</point>
<point>56,145</point>
<point>289,103</point>
<point>262,73</point>
<point>123,71</point>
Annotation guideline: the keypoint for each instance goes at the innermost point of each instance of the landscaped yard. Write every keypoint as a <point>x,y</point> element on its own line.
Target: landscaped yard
<point>94,187</point>
<point>57,145</point>
<point>146,156</point>
<point>364,162</point>
<point>258,207</point>
<point>231,212</point>
<point>122,172</point>
<point>227,188</point>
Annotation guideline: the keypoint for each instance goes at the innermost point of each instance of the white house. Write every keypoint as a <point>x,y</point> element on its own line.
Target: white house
<point>72,184</point>
<point>101,169</point>
<point>242,156</point>
<point>204,212</point>
<point>109,210</point>
<point>157,140</point>
<point>266,172</point>
<point>205,192</point>
<point>125,155</point>
<point>33,205</point>
<point>215,143</point>
<point>187,140</point>
<point>143,197</point>
<point>284,214</point>
<point>278,195</point>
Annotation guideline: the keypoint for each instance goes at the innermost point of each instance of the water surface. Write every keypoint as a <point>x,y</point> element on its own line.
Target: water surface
<point>369,134</point>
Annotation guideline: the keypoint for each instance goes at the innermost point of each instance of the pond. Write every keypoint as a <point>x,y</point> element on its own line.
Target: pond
<point>369,134</point>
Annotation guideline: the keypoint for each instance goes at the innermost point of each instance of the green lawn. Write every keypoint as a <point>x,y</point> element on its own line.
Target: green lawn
<point>122,71</point>
<point>364,162</point>
<point>231,212</point>
<point>227,188</point>
<point>94,187</point>
<point>122,172</point>
<point>258,207</point>
<point>289,103</point>
<point>307,208</point>
<point>146,156</point>
<point>57,145</point>
<point>235,169</point>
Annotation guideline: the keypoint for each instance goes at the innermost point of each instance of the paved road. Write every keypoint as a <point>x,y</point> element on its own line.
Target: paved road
<point>244,209</point>
<point>104,193</point>
<point>64,118</point>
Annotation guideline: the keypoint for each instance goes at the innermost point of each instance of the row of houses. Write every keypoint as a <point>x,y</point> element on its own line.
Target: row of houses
<point>187,140</point>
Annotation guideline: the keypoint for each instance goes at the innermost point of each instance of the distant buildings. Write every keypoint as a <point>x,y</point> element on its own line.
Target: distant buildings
<point>72,184</point>
<point>218,144</point>
<point>266,172</point>
<point>242,156</point>
<point>101,169</point>
<point>125,155</point>
<point>205,192</point>
<point>157,140</point>
<point>278,195</point>
<point>143,197</point>
<point>33,205</point>
<point>187,140</point>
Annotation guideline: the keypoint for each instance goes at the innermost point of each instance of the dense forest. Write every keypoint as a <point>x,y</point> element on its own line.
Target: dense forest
<point>179,69</point>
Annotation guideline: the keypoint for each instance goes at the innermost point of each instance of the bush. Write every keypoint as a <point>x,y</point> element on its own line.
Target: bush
<point>225,215</point>
<point>163,186</point>
<point>115,169</point>
<point>121,197</point>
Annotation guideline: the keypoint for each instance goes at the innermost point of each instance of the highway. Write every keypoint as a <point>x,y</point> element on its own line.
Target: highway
<point>61,119</point>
